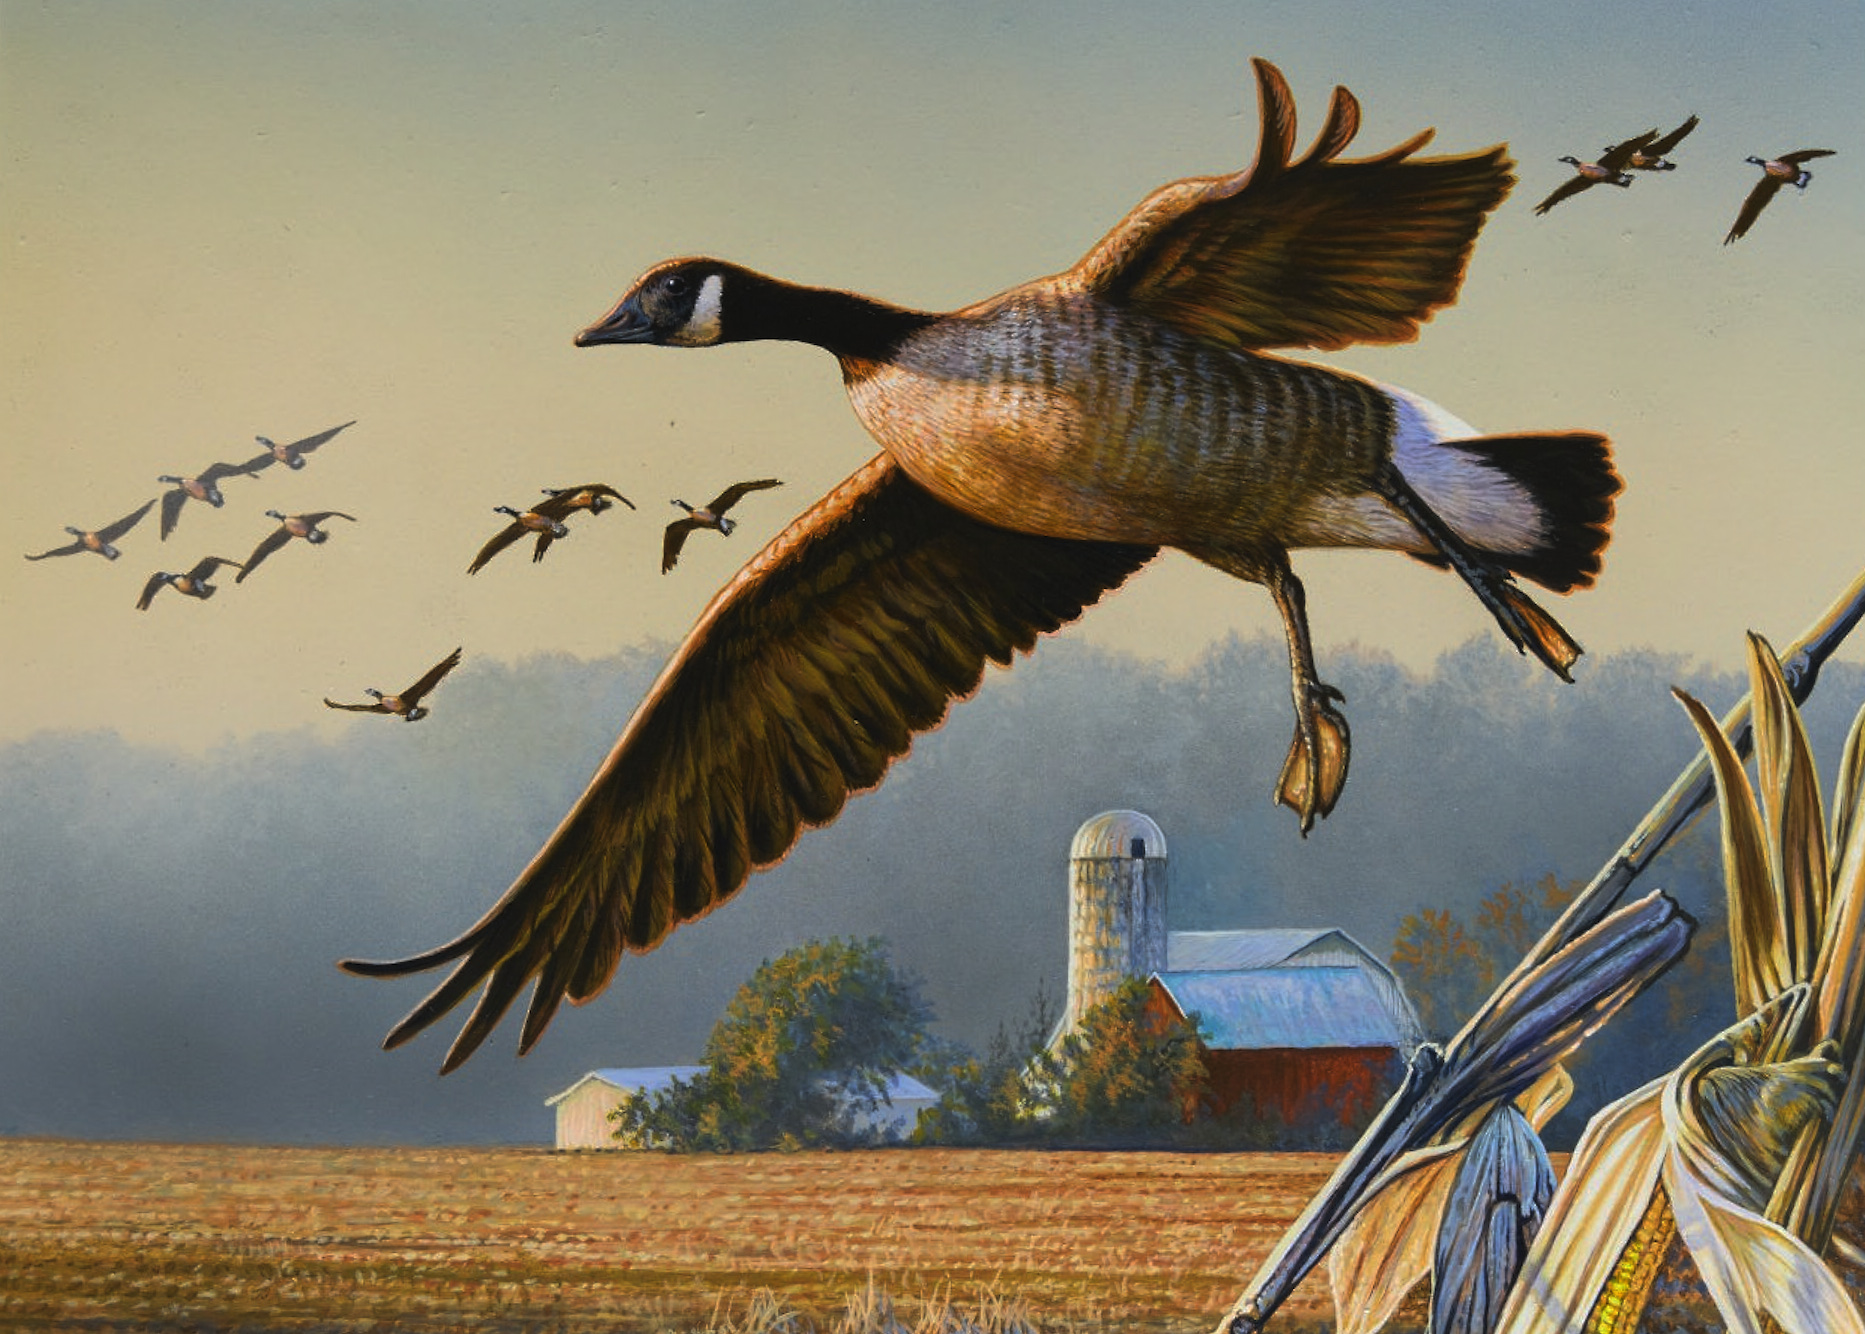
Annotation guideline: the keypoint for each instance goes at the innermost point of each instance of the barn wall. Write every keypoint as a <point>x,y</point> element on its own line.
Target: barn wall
<point>1347,1083</point>
<point>583,1117</point>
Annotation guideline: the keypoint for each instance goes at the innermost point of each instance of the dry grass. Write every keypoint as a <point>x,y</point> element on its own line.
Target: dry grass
<point>145,1237</point>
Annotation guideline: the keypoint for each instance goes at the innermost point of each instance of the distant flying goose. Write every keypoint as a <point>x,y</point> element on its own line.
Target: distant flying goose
<point>292,455</point>
<point>1652,156</point>
<point>408,703</point>
<point>1038,447</point>
<point>710,515</point>
<point>202,486</point>
<point>595,497</point>
<point>103,541</point>
<point>547,519</point>
<point>1609,170</point>
<point>290,526</point>
<point>192,584</point>
<point>548,527</point>
<point>1775,173</point>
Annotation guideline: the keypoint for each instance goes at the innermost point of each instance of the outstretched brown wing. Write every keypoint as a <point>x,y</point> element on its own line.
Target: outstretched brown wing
<point>1659,147</point>
<point>674,539</point>
<point>1314,252</point>
<point>311,442</point>
<point>431,678</point>
<point>150,589</point>
<point>1765,189</point>
<point>127,522</point>
<point>271,542</point>
<point>507,535</point>
<point>737,491</point>
<point>172,501</point>
<point>1567,189</point>
<point>804,679</point>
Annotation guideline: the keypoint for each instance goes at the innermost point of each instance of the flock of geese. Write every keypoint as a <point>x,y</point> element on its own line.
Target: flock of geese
<point>1036,448</point>
<point>546,520</point>
<point>1649,153</point>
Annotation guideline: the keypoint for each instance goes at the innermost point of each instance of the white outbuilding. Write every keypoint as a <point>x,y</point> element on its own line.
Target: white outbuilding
<point>583,1108</point>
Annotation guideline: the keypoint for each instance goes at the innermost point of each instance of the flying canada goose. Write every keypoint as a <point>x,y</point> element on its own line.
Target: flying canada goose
<point>1039,447</point>
<point>595,497</point>
<point>202,486</point>
<point>548,527</point>
<point>1652,156</point>
<point>1609,170</point>
<point>290,526</point>
<point>1775,173</point>
<point>192,584</point>
<point>103,541</point>
<point>292,455</point>
<point>408,703</point>
<point>710,515</point>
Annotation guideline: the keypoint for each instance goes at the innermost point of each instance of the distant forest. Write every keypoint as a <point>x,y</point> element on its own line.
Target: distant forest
<point>167,970</point>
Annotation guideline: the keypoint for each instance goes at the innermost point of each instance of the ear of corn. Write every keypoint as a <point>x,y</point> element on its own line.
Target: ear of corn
<point>1744,1148</point>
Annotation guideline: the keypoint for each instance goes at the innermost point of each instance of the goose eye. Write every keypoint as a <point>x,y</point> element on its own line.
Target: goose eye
<point>675,284</point>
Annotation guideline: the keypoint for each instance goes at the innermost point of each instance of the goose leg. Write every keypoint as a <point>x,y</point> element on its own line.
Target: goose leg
<point>1316,767</point>
<point>1527,626</point>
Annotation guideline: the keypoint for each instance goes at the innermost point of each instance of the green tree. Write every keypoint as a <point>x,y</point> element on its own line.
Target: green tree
<point>1125,1074</point>
<point>804,1049</point>
<point>988,1099</point>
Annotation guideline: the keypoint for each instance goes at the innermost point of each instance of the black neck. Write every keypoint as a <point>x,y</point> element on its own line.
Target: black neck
<point>840,322</point>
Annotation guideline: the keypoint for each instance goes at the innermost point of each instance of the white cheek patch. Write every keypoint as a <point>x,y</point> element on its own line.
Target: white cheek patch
<point>702,327</point>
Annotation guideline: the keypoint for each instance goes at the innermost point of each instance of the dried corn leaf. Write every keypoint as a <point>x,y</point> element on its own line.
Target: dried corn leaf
<point>1789,788</point>
<point>1757,952</point>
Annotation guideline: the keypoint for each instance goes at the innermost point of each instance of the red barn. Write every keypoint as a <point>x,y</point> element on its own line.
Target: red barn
<point>1300,1022</point>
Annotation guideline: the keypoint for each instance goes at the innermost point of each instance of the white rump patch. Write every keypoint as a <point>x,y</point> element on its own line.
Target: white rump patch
<point>702,327</point>
<point>1484,505</point>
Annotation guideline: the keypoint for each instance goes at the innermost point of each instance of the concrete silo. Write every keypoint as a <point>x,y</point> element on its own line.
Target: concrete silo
<point>1117,908</point>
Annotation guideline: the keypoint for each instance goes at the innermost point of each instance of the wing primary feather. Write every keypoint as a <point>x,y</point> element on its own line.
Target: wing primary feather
<point>1343,123</point>
<point>1277,106</point>
<point>806,677</point>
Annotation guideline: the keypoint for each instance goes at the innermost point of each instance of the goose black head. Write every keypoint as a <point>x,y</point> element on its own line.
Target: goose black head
<point>372,692</point>
<point>677,304</point>
<point>1571,160</point>
<point>275,514</point>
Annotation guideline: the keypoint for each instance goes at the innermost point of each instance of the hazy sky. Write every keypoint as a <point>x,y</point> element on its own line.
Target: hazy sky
<point>229,219</point>
<point>225,219</point>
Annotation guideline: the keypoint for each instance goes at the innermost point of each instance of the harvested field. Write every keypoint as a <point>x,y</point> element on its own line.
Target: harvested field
<point>139,1237</point>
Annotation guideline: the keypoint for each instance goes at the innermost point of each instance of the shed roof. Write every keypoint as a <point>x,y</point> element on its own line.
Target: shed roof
<point>654,1078</point>
<point>1245,1009</point>
<point>1197,951</point>
<point>632,1079</point>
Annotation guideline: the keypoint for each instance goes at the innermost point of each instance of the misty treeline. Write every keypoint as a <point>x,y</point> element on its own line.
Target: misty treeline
<point>174,918</point>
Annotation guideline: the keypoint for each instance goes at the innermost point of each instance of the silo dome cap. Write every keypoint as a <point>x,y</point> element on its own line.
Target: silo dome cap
<point>1113,833</point>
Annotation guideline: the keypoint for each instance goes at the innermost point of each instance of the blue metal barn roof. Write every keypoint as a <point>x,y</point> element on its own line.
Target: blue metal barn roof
<point>1247,1009</point>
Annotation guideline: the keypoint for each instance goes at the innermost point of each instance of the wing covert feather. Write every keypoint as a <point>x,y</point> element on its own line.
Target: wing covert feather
<point>805,678</point>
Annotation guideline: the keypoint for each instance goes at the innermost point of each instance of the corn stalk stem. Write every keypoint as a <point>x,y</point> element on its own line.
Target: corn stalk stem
<point>1423,1102</point>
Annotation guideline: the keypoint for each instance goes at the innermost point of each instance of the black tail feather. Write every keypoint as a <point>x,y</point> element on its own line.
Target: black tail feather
<point>1571,477</point>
